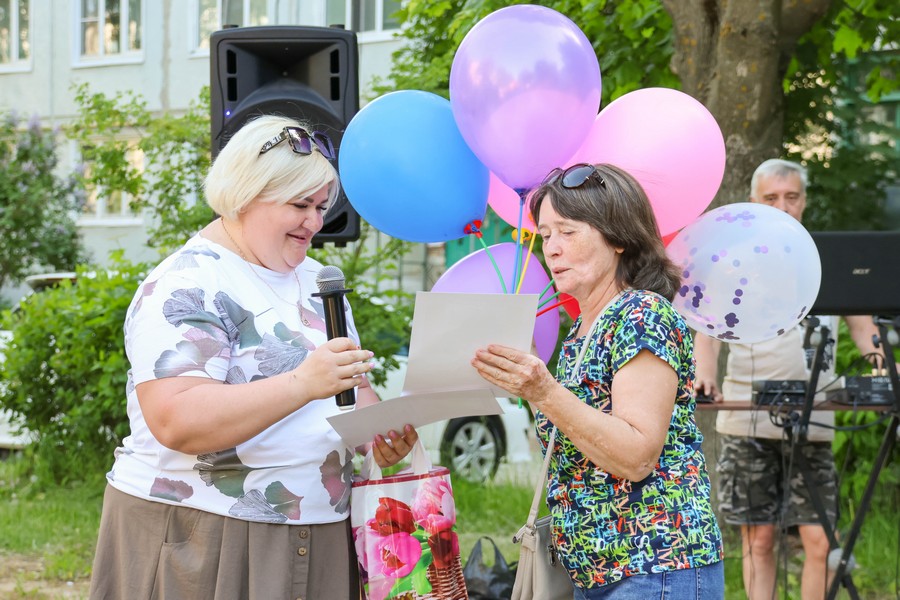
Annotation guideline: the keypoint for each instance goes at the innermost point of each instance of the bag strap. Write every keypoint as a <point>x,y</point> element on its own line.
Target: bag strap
<point>420,463</point>
<point>539,488</point>
<point>499,559</point>
<point>476,557</point>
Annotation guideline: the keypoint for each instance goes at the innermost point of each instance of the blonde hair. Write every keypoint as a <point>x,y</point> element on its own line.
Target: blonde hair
<point>240,174</point>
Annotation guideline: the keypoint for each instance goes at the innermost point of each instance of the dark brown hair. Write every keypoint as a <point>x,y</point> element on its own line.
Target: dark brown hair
<point>618,208</point>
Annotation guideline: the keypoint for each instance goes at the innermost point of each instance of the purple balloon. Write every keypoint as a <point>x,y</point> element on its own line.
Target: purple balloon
<point>524,89</point>
<point>475,274</point>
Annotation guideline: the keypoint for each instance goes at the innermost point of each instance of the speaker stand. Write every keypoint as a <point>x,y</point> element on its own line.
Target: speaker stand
<point>797,431</point>
<point>887,445</point>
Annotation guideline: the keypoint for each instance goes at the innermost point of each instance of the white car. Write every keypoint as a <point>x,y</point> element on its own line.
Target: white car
<point>472,447</point>
<point>8,439</point>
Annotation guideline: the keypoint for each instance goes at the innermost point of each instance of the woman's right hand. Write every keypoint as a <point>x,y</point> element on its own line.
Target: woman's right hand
<point>333,367</point>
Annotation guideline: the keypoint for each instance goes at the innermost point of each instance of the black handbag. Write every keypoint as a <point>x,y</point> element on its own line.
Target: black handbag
<point>488,583</point>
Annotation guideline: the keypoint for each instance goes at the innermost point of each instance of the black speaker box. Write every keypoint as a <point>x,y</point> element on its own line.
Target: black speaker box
<point>860,273</point>
<point>307,73</point>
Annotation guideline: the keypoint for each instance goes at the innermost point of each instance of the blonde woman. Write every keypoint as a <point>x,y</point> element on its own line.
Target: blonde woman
<point>232,484</point>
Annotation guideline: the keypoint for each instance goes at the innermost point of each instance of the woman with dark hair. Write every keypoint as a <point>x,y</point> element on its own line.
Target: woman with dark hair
<point>627,484</point>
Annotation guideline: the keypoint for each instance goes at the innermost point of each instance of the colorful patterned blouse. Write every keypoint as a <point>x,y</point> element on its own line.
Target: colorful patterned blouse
<point>607,528</point>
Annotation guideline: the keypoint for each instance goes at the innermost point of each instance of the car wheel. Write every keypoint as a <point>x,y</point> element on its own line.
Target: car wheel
<point>472,447</point>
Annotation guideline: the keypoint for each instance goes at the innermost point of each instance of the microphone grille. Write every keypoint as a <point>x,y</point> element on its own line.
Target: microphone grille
<point>329,279</point>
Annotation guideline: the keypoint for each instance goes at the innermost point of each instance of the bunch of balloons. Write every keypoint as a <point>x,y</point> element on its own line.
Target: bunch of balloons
<point>524,95</point>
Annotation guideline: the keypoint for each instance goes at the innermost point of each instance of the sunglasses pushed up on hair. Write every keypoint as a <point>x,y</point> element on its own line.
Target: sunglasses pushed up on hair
<point>573,177</point>
<point>302,142</point>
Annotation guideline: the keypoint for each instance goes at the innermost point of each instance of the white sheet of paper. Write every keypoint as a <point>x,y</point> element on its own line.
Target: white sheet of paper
<point>448,328</point>
<point>363,424</point>
<point>440,381</point>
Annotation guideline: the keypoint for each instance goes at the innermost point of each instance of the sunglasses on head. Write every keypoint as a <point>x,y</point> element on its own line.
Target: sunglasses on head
<point>574,176</point>
<point>302,142</point>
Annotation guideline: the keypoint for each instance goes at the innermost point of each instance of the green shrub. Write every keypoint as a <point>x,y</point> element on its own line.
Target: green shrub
<point>860,434</point>
<point>65,371</point>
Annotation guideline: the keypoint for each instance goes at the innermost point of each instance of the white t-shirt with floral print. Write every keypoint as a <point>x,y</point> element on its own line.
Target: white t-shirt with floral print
<point>203,312</point>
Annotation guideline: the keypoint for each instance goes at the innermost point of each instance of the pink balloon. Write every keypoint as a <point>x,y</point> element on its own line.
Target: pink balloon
<point>475,274</point>
<point>669,142</point>
<point>506,202</point>
<point>524,89</point>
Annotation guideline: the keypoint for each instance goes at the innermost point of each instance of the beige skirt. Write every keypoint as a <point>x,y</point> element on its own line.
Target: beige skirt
<point>161,551</point>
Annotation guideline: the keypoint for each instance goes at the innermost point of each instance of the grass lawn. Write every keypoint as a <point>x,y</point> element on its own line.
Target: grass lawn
<point>56,529</point>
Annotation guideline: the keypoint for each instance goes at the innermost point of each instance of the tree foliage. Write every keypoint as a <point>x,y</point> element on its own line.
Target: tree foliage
<point>840,71</point>
<point>169,186</point>
<point>632,41</point>
<point>37,207</point>
<point>776,75</point>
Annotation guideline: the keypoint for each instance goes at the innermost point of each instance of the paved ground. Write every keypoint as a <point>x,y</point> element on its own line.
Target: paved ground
<point>20,578</point>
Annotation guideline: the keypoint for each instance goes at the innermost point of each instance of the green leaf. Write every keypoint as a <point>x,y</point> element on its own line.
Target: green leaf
<point>420,581</point>
<point>848,41</point>
<point>402,585</point>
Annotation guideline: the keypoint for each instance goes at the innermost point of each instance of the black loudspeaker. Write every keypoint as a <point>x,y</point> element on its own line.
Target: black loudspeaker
<point>307,73</point>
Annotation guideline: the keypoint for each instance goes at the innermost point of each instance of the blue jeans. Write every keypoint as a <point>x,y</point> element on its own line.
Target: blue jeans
<point>702,583</point>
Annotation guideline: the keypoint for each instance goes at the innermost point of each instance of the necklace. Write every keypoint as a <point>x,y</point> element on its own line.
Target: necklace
<point>298,304</point>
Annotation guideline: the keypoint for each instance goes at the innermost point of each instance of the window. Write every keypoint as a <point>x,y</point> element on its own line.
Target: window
<point>365,15</point>
<point>15,44</point>
<point>212,15</point>
<point>109,28</point>
<point>112,204</point>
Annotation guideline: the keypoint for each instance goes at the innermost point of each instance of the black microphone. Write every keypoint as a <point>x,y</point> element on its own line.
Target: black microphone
<point>330,281</point>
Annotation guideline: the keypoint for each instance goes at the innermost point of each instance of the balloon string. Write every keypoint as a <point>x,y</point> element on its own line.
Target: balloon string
<point>515,276</point>
<point>551,307</point>
<point>546,289</point>
<point>493,262</point>
<point>548,300</point>
<point>527,258</point>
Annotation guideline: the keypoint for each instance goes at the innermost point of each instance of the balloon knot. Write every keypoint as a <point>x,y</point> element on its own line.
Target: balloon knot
<point>526,234</point>
<point>474,228</point>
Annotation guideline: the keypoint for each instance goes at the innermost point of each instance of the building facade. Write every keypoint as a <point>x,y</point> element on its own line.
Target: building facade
<point>158,50</point>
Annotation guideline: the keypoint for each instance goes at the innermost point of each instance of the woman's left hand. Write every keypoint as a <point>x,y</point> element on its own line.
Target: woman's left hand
<point>389,454</point>
<point>521,374</point>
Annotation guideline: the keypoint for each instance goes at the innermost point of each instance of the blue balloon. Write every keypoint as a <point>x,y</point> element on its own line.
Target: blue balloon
<point>407,170</point>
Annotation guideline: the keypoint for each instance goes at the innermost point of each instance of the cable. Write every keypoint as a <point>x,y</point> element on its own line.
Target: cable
<point>877,421</point>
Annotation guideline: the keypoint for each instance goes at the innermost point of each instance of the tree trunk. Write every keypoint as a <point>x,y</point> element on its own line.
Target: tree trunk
<point>732,55</point>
